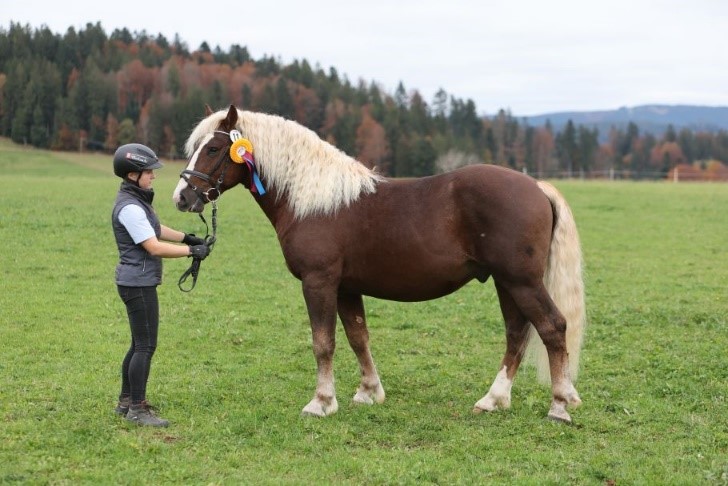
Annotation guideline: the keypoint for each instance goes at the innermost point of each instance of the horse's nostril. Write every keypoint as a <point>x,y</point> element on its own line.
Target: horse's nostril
<point>181,202</point>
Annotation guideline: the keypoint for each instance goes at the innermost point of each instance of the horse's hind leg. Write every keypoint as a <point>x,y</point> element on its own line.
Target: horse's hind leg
<point>351,312</point>
<point>536,304</point>
<point>517,326</point>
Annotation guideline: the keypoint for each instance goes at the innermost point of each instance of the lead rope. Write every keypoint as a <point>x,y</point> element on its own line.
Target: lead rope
<point>210,239</point>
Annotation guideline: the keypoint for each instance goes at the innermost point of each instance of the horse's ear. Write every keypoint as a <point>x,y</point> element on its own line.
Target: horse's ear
<point>208,110</point>
<point>232,117</point>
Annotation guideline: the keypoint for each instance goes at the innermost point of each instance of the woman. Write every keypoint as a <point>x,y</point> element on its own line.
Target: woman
<point>143,242</point>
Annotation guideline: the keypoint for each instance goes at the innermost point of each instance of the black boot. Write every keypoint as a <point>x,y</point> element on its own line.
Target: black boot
<point>123,406</point>
<point>142,415</point>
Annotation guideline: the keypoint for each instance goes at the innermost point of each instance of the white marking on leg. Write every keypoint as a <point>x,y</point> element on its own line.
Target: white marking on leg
<point>564,395</point>
<point>368,394</point>
<point>324,402</point>
<point>499,395</point>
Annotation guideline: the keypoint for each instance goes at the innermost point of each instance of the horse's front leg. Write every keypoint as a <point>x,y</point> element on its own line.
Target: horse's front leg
<point>320,295</point>
<point>351,311</point>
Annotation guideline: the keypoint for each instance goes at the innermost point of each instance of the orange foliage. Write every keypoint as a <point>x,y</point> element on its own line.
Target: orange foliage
<point>543,146</point>
<point>685,172</point>
<point>307,105</point>
<point>716,170</point>
<point>138,81</point>
<point>209,73</point>
<point>72,78</point>
<point>667,151</point>
<point>112,132</point>
<point>371,141</point>
<point>66,139</point>
<point>142,125</point>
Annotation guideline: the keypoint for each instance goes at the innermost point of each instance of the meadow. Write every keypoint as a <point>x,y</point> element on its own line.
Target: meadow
<point>234,365</point>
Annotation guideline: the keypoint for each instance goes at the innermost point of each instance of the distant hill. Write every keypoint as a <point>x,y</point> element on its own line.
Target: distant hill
<point>649,118</point>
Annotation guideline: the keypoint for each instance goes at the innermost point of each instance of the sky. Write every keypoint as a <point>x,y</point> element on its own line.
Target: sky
<point>529,57</point>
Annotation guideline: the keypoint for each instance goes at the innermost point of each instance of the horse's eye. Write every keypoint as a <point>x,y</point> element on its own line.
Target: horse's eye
<point>212,150</point>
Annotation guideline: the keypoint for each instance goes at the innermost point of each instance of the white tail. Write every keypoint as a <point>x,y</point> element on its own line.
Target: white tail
<point>564,282</point>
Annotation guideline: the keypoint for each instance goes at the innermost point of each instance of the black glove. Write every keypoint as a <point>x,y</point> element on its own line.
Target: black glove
<point>192,240</point>
<point>199,251</point>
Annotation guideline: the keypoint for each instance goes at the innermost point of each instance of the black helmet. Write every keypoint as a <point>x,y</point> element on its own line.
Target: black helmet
<point>134,157</point>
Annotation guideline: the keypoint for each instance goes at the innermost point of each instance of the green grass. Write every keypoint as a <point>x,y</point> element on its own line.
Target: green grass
<point>234,365</point>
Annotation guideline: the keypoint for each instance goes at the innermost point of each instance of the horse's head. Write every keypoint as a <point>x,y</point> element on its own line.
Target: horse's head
<point>214,168</point>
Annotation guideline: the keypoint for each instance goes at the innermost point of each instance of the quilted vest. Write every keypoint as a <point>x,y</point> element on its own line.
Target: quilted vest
<point>136,267</point>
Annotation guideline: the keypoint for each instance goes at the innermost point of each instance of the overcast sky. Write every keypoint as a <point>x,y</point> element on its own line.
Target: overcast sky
<point>531,57</point>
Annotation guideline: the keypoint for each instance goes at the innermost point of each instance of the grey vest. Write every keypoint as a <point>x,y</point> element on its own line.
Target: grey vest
<point>136,268</point>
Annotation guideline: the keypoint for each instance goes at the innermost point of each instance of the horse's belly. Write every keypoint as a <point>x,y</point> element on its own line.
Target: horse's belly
<point>393,284</point>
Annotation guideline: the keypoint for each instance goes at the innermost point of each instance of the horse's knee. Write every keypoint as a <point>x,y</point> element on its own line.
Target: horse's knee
<point>323,336</point>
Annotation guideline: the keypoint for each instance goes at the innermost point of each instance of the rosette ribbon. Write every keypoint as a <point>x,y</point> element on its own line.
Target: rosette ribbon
<point>241,152</point>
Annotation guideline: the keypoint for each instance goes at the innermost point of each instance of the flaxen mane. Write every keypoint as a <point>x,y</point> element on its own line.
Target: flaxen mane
<point>315,176</point>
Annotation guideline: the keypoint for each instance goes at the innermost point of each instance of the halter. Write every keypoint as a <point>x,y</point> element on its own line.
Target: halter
<point>212,194</point>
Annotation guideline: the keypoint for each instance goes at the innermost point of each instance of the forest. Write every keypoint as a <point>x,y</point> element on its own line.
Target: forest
<point>90,91</point>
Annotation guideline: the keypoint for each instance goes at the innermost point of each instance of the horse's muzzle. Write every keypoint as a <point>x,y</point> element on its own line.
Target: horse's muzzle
<point>183,202</point>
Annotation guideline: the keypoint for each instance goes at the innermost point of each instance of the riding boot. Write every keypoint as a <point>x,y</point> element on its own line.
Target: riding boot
<point>142,414</point>
<point>123,406</point>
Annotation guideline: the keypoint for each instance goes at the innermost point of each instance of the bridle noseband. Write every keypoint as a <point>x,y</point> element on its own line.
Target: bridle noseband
<point>212,194</point>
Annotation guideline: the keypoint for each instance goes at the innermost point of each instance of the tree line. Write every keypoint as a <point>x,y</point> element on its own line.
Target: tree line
<point>86,90</point>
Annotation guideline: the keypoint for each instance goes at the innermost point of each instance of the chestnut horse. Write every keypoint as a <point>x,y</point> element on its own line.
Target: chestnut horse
<point>346,231</point>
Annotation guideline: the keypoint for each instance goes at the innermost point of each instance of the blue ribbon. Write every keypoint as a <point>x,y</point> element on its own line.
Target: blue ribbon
<point>258,184</point>
<point>248,157</point>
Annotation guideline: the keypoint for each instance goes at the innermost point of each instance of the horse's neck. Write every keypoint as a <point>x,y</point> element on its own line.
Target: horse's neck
<point>275,208</point>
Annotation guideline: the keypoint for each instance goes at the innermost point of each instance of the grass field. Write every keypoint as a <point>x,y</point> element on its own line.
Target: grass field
<point>234,366</point>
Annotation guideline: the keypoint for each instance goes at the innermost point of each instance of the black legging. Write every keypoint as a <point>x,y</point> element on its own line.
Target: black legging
<point>142,306</point>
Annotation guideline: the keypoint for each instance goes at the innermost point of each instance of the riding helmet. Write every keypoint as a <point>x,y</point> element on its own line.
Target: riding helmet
<point>134,157</point>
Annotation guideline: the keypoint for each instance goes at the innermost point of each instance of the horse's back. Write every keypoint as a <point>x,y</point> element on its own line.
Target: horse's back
<point>444,230</point>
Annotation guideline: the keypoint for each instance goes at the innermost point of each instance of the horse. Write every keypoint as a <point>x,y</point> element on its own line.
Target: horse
<point>346,231</point>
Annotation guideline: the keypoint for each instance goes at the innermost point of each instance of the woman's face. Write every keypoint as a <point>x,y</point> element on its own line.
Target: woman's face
<point>145,179</point>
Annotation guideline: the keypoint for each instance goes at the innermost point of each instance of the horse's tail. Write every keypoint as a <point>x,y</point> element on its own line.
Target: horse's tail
<point>564,282</point>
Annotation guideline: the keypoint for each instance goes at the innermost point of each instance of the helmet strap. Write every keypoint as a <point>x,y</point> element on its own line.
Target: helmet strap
<point>132,181</point>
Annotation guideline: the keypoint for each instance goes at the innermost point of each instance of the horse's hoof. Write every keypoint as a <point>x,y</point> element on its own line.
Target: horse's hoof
<point>317,408</point>
<point>562,419</point>
<point>490,403</point>
<point>369,397</point>
<point>559,414</point>
<point>574,400</point>
<point>485,405</point>
<point>362,398</point>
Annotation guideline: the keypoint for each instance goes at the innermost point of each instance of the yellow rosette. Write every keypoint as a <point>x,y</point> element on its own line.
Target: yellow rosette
<point>238,149</point>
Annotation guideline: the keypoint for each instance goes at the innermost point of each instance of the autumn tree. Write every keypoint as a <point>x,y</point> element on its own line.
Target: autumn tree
<point>372,148</point>
<point>667,155</point>
<point>542,148</point>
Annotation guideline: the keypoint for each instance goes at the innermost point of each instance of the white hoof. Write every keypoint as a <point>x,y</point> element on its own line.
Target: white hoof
<point>369,397</point>
<point>499,395</point>
<point>574,400</point>
<point>319,408</point>
<point>558,413</point>
<point>491,403</point>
